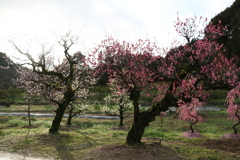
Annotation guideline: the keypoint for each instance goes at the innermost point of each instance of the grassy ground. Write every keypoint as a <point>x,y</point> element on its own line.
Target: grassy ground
<point>34,108</point>
<point>102,139</point>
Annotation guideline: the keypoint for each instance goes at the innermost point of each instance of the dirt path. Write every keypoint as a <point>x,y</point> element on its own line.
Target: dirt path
<point>14,156</point>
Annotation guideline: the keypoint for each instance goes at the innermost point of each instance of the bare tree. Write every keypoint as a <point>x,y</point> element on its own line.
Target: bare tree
<point>57,83</point>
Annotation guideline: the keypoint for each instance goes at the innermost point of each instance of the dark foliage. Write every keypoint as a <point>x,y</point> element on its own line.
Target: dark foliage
<point>7,74</point>
<point>230,17</point>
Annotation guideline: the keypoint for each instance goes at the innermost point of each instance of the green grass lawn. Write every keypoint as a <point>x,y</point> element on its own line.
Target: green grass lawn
<point>87,135</point>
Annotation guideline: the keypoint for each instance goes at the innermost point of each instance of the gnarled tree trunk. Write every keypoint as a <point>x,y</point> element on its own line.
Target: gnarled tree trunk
<point>57,119</point>
<point>135,133</point>
<point>141,120</point>
<point>68,95</point>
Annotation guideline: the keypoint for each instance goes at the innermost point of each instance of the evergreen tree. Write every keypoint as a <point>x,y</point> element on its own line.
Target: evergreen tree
<point>230,17</point>
<point>7,72</point>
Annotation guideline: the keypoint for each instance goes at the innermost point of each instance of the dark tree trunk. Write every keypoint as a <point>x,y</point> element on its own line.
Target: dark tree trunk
<point>69,120</point>
<point>68,97</point>
<point>161,122</point>
<point>57,119</point>
<point>141,120</point>
<point>121,113</point>
<point>134,135</point>
<point>121,120</point>
<point>29,116</point>
<point>193,122</point>
<point>235,125</point>
<point>191,125</point>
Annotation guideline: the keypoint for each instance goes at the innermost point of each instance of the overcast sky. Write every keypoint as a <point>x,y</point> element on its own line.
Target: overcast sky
<point>92,20</point>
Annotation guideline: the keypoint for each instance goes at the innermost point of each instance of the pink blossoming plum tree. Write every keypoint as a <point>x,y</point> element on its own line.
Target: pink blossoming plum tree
<point>188,70</point>
<point>233,108</point>
<point>188,112</point>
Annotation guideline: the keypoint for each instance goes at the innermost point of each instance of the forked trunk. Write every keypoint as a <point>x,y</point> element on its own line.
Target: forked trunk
<point>134,135</point>
<point>141,120</point>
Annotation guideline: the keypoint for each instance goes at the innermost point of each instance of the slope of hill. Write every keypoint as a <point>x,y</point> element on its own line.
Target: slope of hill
<point>6,74</point>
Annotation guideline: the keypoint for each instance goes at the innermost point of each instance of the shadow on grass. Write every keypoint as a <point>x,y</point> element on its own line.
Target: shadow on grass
<point>90,124</point>
<point>89,140</point>
<point>27,139</point>
<point>68,145</point>
<point>59,145</point>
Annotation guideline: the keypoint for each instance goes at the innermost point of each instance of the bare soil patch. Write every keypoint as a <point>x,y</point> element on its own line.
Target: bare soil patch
<point>68,128</point>
<point>153,151</point>
<point>13,125</point>
<point>189,134</point>
<point>227,145</point>
<point>231,136</point>
<point>123,128</point>
<point>30,126</point>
